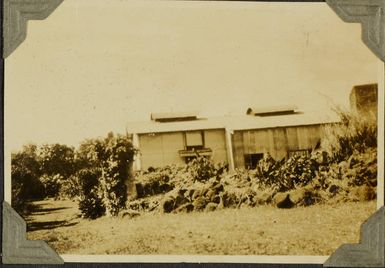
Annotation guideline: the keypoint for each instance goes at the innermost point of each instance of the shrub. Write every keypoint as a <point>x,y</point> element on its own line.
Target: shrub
<point>297,171</point>
<point>354,133</point>
<point>156,182</point>
<point>24,178</point>
<point>52,184</point>
<point>202,169</point>
<point>116,157</point>
<point>90,199</point>
<point>113,157</point>
<point>266,171</point>
<point>70,188</point>
<point>92,206</point>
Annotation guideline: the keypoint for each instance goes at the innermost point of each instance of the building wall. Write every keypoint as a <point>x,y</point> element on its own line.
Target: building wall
<point>276,141</point>
<point>216,141</point>
<point>160,149</point>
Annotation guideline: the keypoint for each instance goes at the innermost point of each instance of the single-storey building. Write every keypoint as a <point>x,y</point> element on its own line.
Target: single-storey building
<point>175,138</point>
<point>239,141</point>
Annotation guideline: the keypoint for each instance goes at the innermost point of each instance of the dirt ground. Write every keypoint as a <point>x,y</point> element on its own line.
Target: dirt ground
<point>315,230</point>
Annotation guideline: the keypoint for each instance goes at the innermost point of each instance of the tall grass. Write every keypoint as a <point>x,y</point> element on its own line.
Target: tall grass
<point>355,132</point>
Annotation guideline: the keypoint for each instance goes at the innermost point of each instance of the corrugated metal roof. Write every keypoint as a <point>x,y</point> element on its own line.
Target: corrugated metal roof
<point>241,122</point>
<point>177,116</point>
<point>271,110</point>
<point>154,127</point>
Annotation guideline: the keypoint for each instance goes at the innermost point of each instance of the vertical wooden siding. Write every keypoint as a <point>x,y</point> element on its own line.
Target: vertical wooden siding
<point>162,149</point>
<point>276,141</point>
<point>215,139</point>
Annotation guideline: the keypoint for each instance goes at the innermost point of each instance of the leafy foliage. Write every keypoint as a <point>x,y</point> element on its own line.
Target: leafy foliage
<point>202,169</point>
<point>52,184</point>
<point>90,199</point>
<point>155,182</point>
<point>57,159</point>
<point>354,133</point>
<point>70,188</point>
<point>297,171</point>
<point>89,154</point>
<point>113,157</point>
<point>117,154</point>
<point>25,172</point>
<point>266,171</point>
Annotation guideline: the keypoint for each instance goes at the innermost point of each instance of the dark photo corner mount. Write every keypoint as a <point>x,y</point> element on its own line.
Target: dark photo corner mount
<point>370,252</point>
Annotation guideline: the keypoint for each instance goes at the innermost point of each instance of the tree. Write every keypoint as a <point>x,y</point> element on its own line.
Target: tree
<point>25,172</point>
<point>113,155</point>
<point>57,164</point>
<point>116,157</point>
<point>57,159</point>
<point>89,154</point>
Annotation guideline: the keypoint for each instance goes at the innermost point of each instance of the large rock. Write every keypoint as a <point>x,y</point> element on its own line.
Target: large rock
<point>282,200</point>
<point>197,193</point>
<point>168,204</point>
<point>297,196</point>
<point>263,198</point>
<point>190,193</point>
<point>129,214</point>
<point>210,194</point>
<point>211,207</point>
<point>184,208</point>
<point>229,199</point>
<point>180,200</point>
<point>199,203</point>
<point>216,199</point>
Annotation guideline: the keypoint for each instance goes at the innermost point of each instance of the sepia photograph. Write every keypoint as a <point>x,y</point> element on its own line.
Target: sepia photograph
<point>188,128</point>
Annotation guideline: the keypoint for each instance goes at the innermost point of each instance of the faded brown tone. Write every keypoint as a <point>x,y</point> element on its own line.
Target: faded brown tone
<point>160,149</point>
<point>277,141</point>
<point>215,57</point>
<point>255,231</point>
<point>364,99</point>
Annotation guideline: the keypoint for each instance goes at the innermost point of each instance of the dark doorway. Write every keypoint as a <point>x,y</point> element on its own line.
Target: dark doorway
<point>251,160</point>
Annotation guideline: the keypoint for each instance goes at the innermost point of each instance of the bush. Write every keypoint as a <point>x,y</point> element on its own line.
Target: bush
<point>92,206</point>
<point>202,169</point>
<point>266,171</point>
<point>116,157</point>
<point>354,133</point>
<point>297,171</point>
<point>90,199</point>
<point>24,178</point>
<point>51,184</point>
<point>156,182</point>
<point>70,188</point>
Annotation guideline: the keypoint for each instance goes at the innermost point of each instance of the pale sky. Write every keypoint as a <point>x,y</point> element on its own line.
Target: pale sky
<point>93,66</point>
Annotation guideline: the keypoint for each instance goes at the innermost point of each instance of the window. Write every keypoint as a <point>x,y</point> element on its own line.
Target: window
<point>194,146</point>
<point>251,160</point>
<point>194,140</point>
